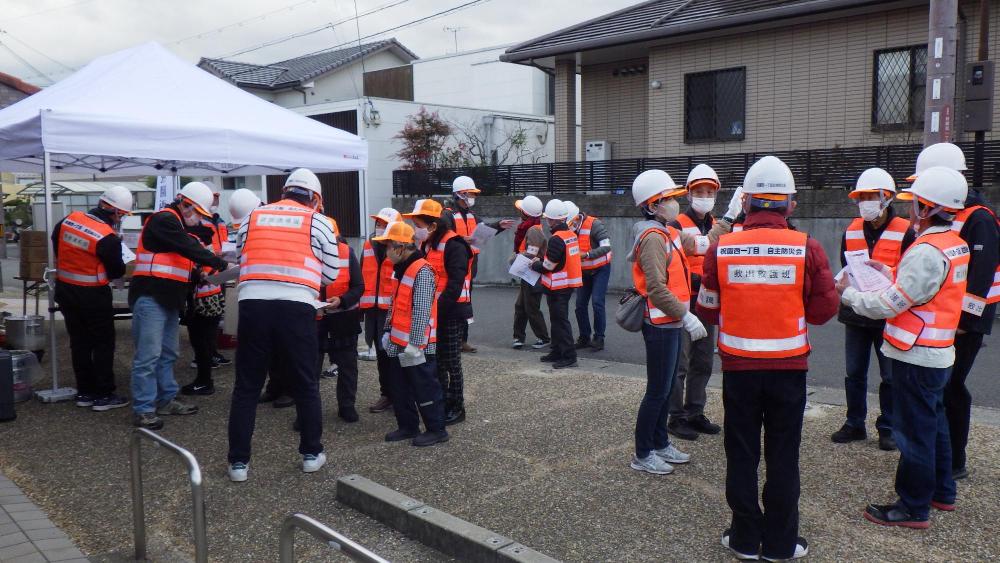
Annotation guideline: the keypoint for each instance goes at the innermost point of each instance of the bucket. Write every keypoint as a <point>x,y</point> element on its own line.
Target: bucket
<point>27,371</point>
<point>26,332</point>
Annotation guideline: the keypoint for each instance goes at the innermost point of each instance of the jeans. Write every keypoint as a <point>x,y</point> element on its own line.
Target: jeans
<point>662,350</point>
<point>957,399</point>
<point>92,349</point>
<point>562,330</point>
<point>154,331</point>
<point>416,389</point>
<point>595,285</point>
<point>694,369</point>
<point>528,308</point>
<point>774,400</point>
<point>921,432</point>
<point>858,344</point>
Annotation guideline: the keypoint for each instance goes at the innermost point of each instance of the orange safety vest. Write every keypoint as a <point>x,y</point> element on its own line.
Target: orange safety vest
<point>678,276</point>
<point>166,265</point>
<point>343,281</point>
<point>888,248</point>
<point>571,275</point>
<point>586,246</point>
<point>993,296</point>
<point>402,307</point>
<point>77,262</point>
<point>687,226</point>
<point>379,283</point>
<point>737,227</point>
<point>934,323</point>
<point>279,246</point>
<point>761,278</point>
<point>435,256</point>
<point>219,234</point>
<point>465,225</point>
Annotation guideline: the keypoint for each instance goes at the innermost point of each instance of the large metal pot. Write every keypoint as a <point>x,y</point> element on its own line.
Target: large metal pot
<point>26,332</point>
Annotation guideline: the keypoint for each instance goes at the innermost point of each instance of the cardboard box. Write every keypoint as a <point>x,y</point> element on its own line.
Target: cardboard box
<point>33,270</point>
<point>34,238</point>
<point>35,254</point>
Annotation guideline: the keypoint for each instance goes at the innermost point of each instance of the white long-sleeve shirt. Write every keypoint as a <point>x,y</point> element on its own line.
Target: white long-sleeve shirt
<point>324,247</point>
<point>920,275</point>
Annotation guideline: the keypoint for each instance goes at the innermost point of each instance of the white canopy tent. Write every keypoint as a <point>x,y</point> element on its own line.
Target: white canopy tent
<point>145,111</point>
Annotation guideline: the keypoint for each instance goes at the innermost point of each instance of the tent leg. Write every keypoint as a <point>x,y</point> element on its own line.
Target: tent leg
<point>56,394</point>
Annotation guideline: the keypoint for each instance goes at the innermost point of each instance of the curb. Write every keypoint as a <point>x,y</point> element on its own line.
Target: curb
<point>432,527</point>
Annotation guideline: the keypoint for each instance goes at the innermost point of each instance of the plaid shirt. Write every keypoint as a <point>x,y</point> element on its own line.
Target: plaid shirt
<point>423,299</point>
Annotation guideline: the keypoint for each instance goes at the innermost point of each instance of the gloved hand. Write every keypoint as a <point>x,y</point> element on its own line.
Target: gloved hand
<point>693,325</point>
<point>735,205</point>
<point>412,351</point>
<point>385,340</point>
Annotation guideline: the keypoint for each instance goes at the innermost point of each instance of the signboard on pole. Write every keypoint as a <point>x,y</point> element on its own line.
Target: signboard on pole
<point>166,190</point>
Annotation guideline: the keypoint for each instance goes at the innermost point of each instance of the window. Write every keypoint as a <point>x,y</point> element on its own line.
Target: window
<point>899,88</point>
<point>233,182</point>
<point>715,105</point>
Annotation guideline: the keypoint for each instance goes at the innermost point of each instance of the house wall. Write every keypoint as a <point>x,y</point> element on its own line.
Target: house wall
<point>344,84</point>
<point>615,108</point>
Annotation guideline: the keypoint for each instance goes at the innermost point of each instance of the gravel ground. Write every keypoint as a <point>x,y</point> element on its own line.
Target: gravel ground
<point>542,459</point>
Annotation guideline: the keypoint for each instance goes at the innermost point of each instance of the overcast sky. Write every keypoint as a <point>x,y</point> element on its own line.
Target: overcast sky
<point>52,35</point>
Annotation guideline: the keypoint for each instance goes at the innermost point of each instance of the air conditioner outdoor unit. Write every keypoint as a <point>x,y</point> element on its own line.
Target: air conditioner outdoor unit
<point>597,150</point>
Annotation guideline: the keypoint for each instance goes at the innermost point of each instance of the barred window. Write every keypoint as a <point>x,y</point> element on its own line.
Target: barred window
<point>715,105</point>
<point>899,88</point>
<point>233,182</point>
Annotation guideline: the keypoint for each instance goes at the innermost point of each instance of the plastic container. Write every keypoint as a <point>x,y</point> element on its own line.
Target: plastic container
<point>27,372</point>
<point>26,332</point>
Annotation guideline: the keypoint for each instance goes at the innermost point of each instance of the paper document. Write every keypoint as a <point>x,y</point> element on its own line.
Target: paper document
<point>521,268</point>
<point>864,277</point>
<point>224,276</point>
<point>229,253</point>
<point>482,234</point>
<point>127,254</point>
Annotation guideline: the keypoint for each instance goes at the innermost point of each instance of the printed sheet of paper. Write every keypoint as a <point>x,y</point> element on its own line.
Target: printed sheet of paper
<point>482,234</point>
<point>224,276</point>
<point>863,276</point>
<point>127,254</point>
<point>521,268</point>
<point>229,252</point>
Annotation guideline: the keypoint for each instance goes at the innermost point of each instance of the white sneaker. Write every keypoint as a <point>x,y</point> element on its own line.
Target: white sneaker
<point>518,344</point>
<point>238,472</point>
<point>651,464</point>
<point>801,550</point>
<point>737,554</point>
<point>670,454</point>
<point>311,463</point>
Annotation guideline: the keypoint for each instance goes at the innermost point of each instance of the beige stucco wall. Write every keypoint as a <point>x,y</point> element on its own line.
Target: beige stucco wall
<point>615,108</point>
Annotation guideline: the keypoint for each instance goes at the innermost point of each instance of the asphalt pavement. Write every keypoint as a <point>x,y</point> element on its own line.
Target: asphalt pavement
<point>494,319</point>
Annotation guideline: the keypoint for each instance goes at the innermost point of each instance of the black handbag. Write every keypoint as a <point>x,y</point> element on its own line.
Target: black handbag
<point>631,311</point>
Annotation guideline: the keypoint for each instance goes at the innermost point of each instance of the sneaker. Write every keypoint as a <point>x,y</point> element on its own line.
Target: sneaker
<point>85,400</point>
<point>312,462</point>
<point>221,360</point>
<point>959,474</point>
<point>703,425</point>
<point>330,372</point>
<point>147,420</point>
<point>267,397</point>
<point>679,427</point>
<point>886,442</point>
<point>670,454</point>
<point>582,343</point>
<point>175,407</point>
<point>399,435</point>
<point>565,363</point>
<point>539,344</point>
<point>597,344</point>
<point>383,404</point>
<point>943,506</point>
<point>430,438</point>
<point>894,515</point>
<point>238,471</point>
<point>110,402</point>
<point>550,357</point>
<point>348,414</point>
<point>739,555</point>
<point>454,416</point>
<point>801,550</point>
<point>651,464</point>
<point>518,344</point>
<point>468,349</point>
<point>848,433</point>
<point>369,356</point>
<point>194,364</point>
<point>283,402</point>
<point>198,389</point>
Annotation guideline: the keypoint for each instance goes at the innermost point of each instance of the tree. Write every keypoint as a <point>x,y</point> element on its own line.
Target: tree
<point>478,145</point>
<point>424,137</point>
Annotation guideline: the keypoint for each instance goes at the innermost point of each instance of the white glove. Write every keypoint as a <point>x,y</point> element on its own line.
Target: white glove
<point>411,351</point>
<point>735,204</point>
<point>693,325</point>
<point>385,340</point>
<point>411,356</point>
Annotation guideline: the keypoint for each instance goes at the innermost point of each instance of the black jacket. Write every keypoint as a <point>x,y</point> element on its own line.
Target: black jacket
<point>345,320</point>
<point>457,253</point>
<point>980,233</point>
<point>555,252</point>
<point>165,233</point>
<point>109,252</point>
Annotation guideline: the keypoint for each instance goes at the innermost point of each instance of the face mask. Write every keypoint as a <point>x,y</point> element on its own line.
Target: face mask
<point>470,201</point>
<point>190,217</point>
<point>703,204</point>
<point>870,210</point>
<point>421,233</point>
<point>379,231</point>
<point>668,210</point>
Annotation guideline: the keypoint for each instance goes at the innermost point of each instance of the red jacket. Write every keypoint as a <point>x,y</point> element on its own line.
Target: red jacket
<point>821,298</point>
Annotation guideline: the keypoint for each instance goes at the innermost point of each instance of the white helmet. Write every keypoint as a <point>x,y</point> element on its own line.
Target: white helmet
<point>941,186</point>
<point>304,178</point>
<point>387,215</point>
<point>939,154</point>
<point>118,197</point>
<point>769,175</point>
<point>874,180</point>
<point>572,211</point>
<point>652,183</point>
<point>200,195</point>
<point>530,206</point>
<point>555,209</point>
<point>241,203</point>
<point>701,173</point>
<point>464,184</point>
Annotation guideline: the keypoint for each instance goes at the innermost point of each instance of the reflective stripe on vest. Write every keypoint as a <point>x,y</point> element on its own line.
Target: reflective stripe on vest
<point>379,281</point>
<point>76,257</point>
<point>219,235</point>
<point>934,323</point>
<point>761,279</point>
<point>678,276</point>
<point>993,295</point>
<point>695,261</point>
<point>343,281</point>
<point>465,225</point>
<point>571,274</point>
<point>402,308</point>
<point>586,246</point>
<point>888,248</point>
<point>435,257</point>
<point>278,246</point>
<point>166,265</point>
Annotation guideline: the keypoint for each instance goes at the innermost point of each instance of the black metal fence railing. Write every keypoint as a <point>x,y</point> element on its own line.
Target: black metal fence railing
<point>819,168</point>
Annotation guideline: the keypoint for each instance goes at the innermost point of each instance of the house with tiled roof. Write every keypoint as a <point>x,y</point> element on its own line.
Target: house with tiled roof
<point>13,90</point>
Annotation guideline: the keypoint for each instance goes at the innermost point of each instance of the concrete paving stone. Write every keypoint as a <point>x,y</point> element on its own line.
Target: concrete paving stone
<point>26,515</point>
<point>8,529</point>
<point>38,524</point>
<point>45,534</point>
<point>4,518</point>
<point>13,499</point>
<point>29,558</point>
<point>12,539</point>
<point>19,507</point>
<point>13,551</point>
<point>53,543</point>
<point>62,554</point>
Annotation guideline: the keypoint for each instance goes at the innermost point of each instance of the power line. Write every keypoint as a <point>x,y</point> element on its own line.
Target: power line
<point>25,61</point>
<point>241,23</point>
<point>47,10</point>
<point>8,34</point>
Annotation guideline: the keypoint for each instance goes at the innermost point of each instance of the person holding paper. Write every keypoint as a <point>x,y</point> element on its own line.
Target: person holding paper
<point>884,237</point>
<point>561,275</point>
<point>922,310</point>
<point>88,256</point>
<point>529,241</point>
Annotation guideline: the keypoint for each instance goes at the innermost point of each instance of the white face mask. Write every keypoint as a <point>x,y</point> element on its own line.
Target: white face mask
<point>379,231</point>
<point>870,210</point>
<point>470,201</point>
<point>421,233</point>
<point>190,218</point>
<point>703,204</point>
<point>668,210</point>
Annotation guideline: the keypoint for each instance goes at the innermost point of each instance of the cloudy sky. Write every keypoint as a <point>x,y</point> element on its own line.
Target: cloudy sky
<point>51,37</point>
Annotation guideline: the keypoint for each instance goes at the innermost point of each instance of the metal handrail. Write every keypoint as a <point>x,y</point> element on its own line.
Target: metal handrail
<point>197,494</point>
<point>323,533</point>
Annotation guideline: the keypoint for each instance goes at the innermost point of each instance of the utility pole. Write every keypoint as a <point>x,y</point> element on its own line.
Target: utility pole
<point>454,31</point>
<point>942,57</point>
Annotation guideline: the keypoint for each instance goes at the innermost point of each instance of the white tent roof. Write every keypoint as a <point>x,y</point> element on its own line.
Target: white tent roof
<point>145,111</point>
<point>83,188</point>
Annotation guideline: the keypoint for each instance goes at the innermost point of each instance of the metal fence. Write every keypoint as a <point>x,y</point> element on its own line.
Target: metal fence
<point>819,168</point>
<point>323,533</point>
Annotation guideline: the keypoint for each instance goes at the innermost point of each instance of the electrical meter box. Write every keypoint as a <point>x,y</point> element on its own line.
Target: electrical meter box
<point>978,106</point>
<point>597,150</point>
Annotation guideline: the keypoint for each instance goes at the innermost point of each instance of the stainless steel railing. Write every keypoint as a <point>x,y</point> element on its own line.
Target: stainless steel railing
<point>324,533</point>
<point>197,493</point>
